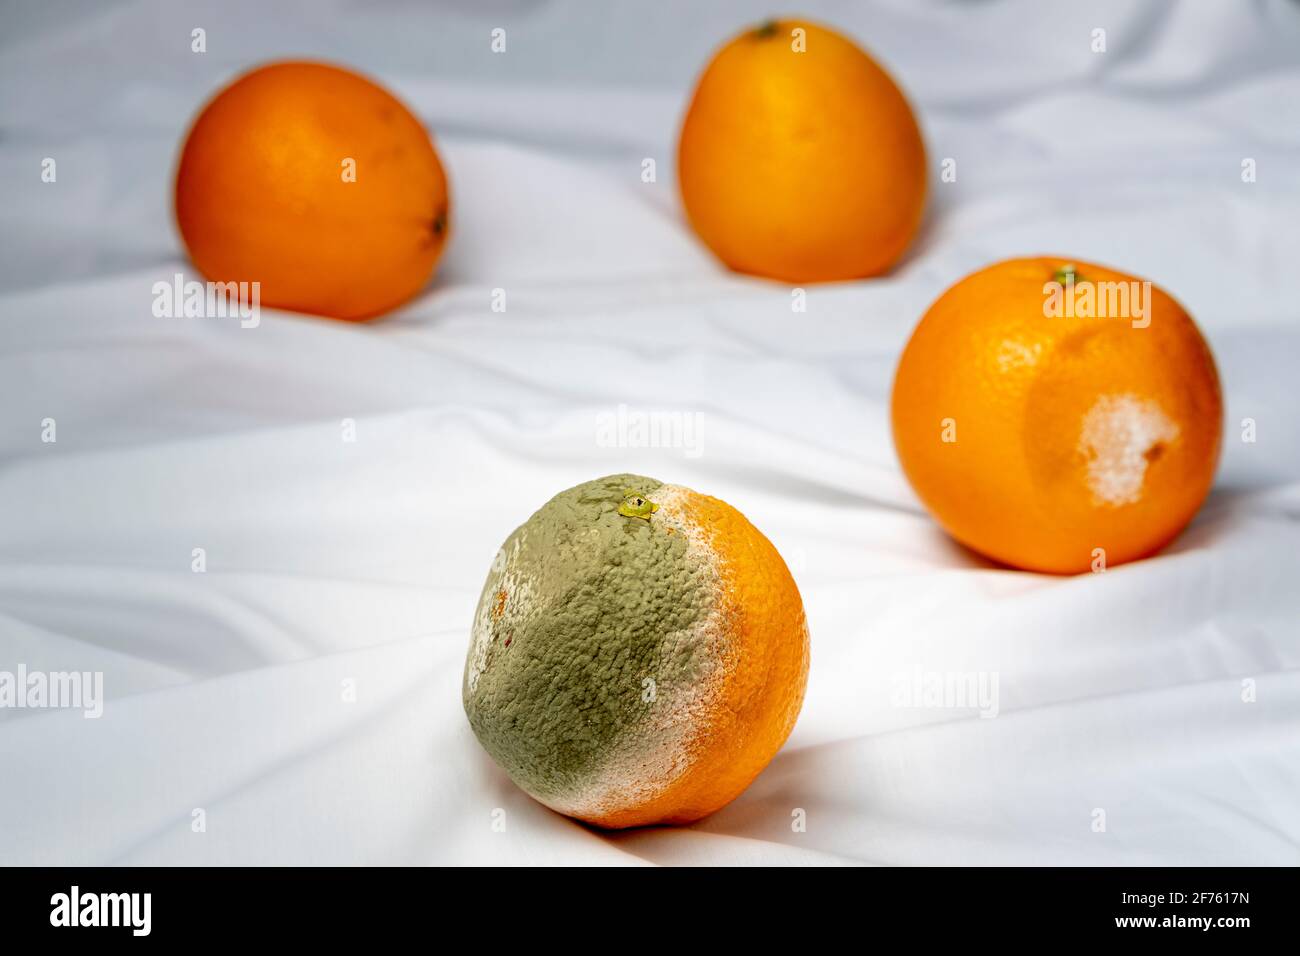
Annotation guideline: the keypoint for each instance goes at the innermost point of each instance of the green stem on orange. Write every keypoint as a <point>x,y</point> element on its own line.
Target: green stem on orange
<point>1067,275</point>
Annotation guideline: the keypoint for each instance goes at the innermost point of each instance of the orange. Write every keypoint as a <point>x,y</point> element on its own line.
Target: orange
<point>318,184</point>
<point>799,158</point>
<point>639,654</point>
<point>1058,415</point>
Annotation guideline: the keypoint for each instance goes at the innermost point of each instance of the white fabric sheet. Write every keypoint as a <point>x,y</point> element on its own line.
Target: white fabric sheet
<point>332,562</point>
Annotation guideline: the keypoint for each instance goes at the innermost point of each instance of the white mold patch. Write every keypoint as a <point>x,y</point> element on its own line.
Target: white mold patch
<point>506,580</point>
<point>1122,436</point>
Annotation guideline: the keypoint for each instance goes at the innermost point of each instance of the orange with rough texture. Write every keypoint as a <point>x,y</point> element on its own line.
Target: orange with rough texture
<point>801,166</point>
<point>1037,434</point>
<point>638,655</point>
<point>318,184</point>
<point>764,650</point>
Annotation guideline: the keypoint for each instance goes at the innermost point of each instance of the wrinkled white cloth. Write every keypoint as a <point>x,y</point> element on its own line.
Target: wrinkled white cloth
<point>299,701</point>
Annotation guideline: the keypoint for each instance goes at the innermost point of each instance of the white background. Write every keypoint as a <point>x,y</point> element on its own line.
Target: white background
<point>331,562</point>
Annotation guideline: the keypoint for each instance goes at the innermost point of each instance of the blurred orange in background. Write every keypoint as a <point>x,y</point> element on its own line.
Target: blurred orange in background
<point>799,157</point>
<point>317,183</point>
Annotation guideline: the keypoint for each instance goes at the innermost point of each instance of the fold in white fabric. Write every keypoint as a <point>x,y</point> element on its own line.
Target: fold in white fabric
<point>299,700</point>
